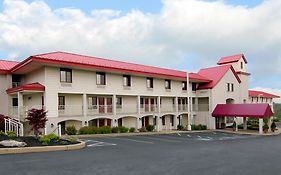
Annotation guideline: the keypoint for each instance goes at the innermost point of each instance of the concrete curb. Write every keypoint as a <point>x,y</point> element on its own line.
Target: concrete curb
<point>277,132</point>
<point>42,149</point>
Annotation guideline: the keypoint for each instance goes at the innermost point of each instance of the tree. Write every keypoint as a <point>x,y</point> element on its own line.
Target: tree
<point>37,119</point>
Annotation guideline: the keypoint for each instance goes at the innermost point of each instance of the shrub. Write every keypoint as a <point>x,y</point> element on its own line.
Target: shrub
<point>150,128</point>
<point>123,129</point>
<point>11,134</point>
<point>180,127</point>
<point>115,130</point>
<point>71,130</point>
<point>132,129</point>
<point>37,119</point>
<point>198,127</point>
<point>2,133</point>
<point>265,126</point>
<point>273,126</point>
<point>85,130</point>
<point>104,130</point>
<point>276,120</point>
<point>143,129</point>
<point>49,138</point>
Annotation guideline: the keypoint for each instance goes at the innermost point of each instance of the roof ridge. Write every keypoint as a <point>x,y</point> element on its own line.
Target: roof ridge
<point>10,61</point>
<point>225,65</point>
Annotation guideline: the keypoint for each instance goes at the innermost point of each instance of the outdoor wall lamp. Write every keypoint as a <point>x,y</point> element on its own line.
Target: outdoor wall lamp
<point>115,120</point>
<point>85,122</point>
<point>139,118</point>
<point>52,125</point>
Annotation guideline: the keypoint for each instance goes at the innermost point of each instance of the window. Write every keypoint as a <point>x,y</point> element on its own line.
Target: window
<point>15,102</point>
<point>194,86</point>
<point>92,102</point>
<point>252,99</point>
<point>163,121</point>
<point>101,78</point>
<point>228,87</point>
<point>184,85</point>
<point>172,120</point>
<point>149,82</point>
<point>65,75</point>
<point>167,84</point>
<point>242,65</point>
<point>127,80</point>
<point>232,87</point>
<point>119,102</point>
<point>61,102</point>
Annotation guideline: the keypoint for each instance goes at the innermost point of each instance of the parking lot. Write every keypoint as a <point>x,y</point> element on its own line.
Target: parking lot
<point>201,153</point>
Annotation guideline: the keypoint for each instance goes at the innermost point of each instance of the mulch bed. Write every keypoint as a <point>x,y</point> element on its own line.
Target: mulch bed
<point>33,142</point>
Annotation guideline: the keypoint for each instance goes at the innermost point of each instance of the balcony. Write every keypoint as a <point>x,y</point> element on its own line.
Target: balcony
<point>146,108</point>
<point>100,109</point>
<point>20,113</point>
<point>182,107</point>
<point>168,108</point>
<point>126,109</point>
<point>70,110</point>
<point>15,84</point>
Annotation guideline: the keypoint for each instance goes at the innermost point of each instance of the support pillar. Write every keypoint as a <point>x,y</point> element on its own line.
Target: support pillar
<point>245,123</point>
<point>138,105</point>
<point>114,105</point>
<point>236,127</point>
<point>85,105</point>
<point>20,104</point>
<point>260,126</point>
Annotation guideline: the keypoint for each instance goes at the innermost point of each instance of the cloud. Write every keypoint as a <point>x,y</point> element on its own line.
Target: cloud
<point>185,34</point>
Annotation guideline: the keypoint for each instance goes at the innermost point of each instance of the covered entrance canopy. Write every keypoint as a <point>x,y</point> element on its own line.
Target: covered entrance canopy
<point>243,110</point>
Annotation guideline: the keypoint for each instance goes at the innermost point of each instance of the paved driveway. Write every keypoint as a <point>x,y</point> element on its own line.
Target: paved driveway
<point>205,153</point>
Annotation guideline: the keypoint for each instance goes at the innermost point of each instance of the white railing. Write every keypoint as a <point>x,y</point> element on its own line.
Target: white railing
<point>13,125</point>
<point>145,108</point>
<point>168,108</point>
<point>200,107</point>
<point>16,84</point>
<point>20,112</point>
<point>183,107</point>
<point>70,110</point>
<point>100,109</point>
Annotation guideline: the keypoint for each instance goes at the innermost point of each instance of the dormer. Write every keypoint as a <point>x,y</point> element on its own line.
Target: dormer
<point>238,62</point>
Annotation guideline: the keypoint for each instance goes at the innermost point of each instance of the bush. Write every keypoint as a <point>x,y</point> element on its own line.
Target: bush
<point>123,129</point>
<point>198,127</point>
<point>115,130</point>
<point>104,130</point>
<point>276,120</point>
<point>143,129</point>
<point>273,126</point>
<point>11,134</point>
<point>2,133</point>
<point>85,130</point>
<point>49,138</point>
<point>265,126</point>
<point>71,130</point>
<point>132,129</point>
<point>150,128</point>
<point>37,120</point>
<point>180,127</point>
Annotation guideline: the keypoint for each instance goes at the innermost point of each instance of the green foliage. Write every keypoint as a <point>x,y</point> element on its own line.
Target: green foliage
<point>104,130</point>
<point>11,134</point>
<point>49,138</point>
<point>71,130</point>
<point>265,126</point>
<point>198,127</point>
<point>72,139</point>
<point>150,128</point>
<point>143,129</point>
<point>123,129</point>
<point>273,126</point>
<point>180,127</point>
<point>115,130</point>
<point>132,129</point>
<point>95,130</point>
<point>2,133</point>
<point>37,119</point>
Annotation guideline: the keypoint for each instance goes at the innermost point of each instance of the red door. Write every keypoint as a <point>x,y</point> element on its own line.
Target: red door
<point>101,105</point>
<point>146,104</point>
<point>109,105</point>
<point>101,122</point>
<point>108,122</point>
<point>152,104</point>
<point>146,121</point>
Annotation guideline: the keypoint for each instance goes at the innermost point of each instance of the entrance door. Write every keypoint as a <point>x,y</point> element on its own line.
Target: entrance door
<point>108,122</point>
<point>220,123</point>
<point>146,104</point>
<point>101,122</point>
<point>151,104</point>
<point>109,105</point>
<point>101,105</point>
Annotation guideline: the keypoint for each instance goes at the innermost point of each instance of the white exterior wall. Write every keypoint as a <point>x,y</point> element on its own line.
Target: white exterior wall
<point>4,102</point>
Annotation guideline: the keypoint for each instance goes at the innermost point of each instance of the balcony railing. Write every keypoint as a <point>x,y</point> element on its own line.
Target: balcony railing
<point>100,109</point>
<point>20,112</point>
<point>200,107</point>
<point>126,109</point>
<point>16,84</point>
<point>183,107</point>
<point>168,108</point>
<point>145,108</point>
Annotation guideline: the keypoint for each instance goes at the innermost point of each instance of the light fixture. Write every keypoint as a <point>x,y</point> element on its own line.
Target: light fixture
<point>52,125</point>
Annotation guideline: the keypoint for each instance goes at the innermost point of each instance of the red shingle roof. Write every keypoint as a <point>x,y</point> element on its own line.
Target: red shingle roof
<point>5,65</point>
<point>231,59</point>
<point>216,74</point>
<point>243,110</point>
<point>27,87</point>
<point>75,60</point>
<point>254,93</point>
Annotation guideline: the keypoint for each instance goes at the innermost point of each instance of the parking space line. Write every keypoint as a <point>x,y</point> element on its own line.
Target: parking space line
<point>134,140</point>
<point>160,139</point>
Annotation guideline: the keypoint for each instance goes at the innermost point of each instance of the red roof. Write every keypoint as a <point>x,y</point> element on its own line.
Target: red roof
<point>243,110</point>
<point>75,60</point>
<point>27,87</point>
<point>5,65</point>
<point>254,93</point>
<point>231,59</point>
<point>215,74</point>
<point>197,77</point>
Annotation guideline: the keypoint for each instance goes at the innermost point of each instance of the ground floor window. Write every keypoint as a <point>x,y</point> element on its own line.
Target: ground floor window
<point>229,119</point>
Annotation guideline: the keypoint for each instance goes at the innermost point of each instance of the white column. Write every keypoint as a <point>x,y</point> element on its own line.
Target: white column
<point>158,104</point>
<point>196,104</point>
<point>138,105</point>
<point>270,122</point>
<point>190,114</point>
<point>85,105</point>
<point>176,121</point>
<point>245,123</point>
<point>261,126</point>
<point>20,104</point>
<point>114,105</point>
<point>158,121</point>
<point>236,121</point>
<point>176,105</point>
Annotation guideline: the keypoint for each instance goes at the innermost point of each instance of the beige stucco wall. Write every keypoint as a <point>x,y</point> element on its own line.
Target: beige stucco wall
<point>4,81</point>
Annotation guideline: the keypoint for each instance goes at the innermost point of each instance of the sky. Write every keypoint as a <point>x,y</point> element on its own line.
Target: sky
<point>178,34</point>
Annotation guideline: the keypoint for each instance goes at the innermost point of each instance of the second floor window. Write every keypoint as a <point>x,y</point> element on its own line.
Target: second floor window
<point>65,75</point>
<point>194,86</point>
<point>61,102</point>
<point>127,80</point>
<point>184,85</point>
<point>92,102</point>
<point>101,78</point>
<point>149,82</point>
<point>167,84</point>
<point>230,87</point>
<point>119,102</point>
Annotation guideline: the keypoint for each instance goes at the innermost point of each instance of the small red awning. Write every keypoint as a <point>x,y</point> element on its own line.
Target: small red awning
<point>243,110</point>
<point>27,87</point>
